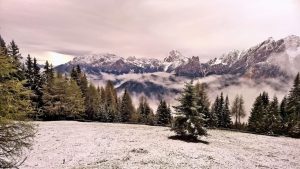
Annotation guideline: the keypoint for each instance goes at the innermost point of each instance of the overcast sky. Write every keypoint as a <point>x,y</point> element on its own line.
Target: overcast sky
<point>58,29</point>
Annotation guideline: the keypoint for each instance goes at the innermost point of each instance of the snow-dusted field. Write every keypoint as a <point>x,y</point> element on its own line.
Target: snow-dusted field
<point>69,144</point>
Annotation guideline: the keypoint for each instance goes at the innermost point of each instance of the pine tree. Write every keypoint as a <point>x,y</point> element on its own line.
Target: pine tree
<point>3,48</point>
<point>15,133</point>
<point>202,101</point>
<point>29,71</point>
<point>226,114</point>
<point>48,73</point>
<point>220,111</point>
<point>293,108</point>
<point>258,112</point>
<point>110,102</point>
<point>284,115</point>
<point>14,54</point>
<point>188,121</point>
<point>272,119</point>
<point>13,51</point>
<point>163,114</point>
<point>127,107</point>
<point>144,111</point>
<point>213,119</point>
<point>92,102</point>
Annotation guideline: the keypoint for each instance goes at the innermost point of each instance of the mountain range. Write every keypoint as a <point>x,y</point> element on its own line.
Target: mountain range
<point>270,59</point>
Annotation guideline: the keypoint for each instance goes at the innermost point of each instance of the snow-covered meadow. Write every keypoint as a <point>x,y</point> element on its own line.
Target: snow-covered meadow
<point>69,144</point>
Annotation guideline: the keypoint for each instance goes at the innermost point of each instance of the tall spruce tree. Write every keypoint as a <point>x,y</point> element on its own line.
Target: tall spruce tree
<point>202,102</point>
<point>272,119</point>
<point>111,102</point>
<point>213,118</point>
<point>144,111</point>
<point>293,108</point>
<point>163,114</point>
<point>226,114</point>
<point>92,103</point>
<point>258,112</point>
<point>188,121</point>
<point>284,115</point>
<point>220,111</point>
<point>127,108</point>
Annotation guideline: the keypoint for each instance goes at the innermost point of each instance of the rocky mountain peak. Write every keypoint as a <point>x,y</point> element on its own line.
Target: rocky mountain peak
<point>174,55</point>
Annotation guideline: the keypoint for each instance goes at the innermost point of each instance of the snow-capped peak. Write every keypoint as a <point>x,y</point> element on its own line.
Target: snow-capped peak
<point>174,55</point>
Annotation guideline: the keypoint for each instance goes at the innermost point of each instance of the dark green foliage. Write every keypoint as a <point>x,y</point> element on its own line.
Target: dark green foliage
<point>35,83</point>
<point>293,108</point>
<point>221,110</point>
<point>92,103</point>
<point>144,112</point>
<point>48,73</point>
<point>272,120</point>
<point>163,114</point>
<point>258,112</point>
<point>127,108</point>
<point>212,121</point>
<point>226,114</point>
<point>111,102</point>
<point>3,48</point>
<point>188,121</point>
<point>202,102</point>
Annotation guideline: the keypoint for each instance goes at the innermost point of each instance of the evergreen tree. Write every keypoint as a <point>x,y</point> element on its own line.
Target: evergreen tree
<point>284,115</point>
<point>188,122</point>
<point>14,54</point>
<point>226,114</point>
<point>37,84</point>
<point>29,70</point>
<point>92,102</point>
<point>13,51</point>
<point>48,73</point>
<point>202,101</point>
<point>144,111</point>
<point>258,112</point>
<point>163,114</point>
<point>3,49</point>
<point>272,119</point>
<point>220,111</point>
<point>110,102</point>
<point>127,107</point>
<point>293,108</point>
<point>213,119</point>
<point>15,133</point>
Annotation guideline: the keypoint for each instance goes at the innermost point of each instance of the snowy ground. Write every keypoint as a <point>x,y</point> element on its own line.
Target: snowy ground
<point>69,144</point>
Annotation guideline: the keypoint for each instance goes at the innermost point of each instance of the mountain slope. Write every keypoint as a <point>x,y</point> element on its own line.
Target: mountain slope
<point>268,59</point>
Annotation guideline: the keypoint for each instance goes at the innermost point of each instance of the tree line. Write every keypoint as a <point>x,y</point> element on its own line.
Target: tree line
<point>271,117</point>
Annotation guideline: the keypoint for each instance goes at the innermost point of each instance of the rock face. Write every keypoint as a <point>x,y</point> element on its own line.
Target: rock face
<point>269,59</point>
